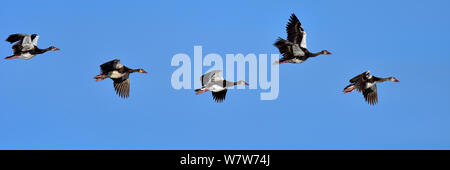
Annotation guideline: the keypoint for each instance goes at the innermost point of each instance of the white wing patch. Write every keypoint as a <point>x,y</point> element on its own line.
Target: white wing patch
<point>35,40</point>
<point>303,43</point>
<point>369,85</point>
<point>297,51</point>
<point>118,66</point>
<point>27,44</point>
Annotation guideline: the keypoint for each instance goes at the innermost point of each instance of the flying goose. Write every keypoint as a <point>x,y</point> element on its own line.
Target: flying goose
<point>119,74</point>
<point>213,81</point>
<point>294,48</point>
<point>367,84</point>
<point>26,46</point>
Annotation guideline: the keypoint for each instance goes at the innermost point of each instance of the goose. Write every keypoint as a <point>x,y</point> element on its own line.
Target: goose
<point>26,47</point>
<point>119,74</point>
<point>367,84</point>
<point>294,48</point>
<point>213,81</point>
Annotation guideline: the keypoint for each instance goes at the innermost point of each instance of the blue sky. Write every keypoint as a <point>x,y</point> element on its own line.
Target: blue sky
<point>52,101</point>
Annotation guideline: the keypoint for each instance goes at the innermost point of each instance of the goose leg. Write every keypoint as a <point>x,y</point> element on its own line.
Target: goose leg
<point>280,62</point>
<point>349,88</point>
<point>100,77</point>
<point>12,57</point>
<point>200,91</point>
<point>285,61</point>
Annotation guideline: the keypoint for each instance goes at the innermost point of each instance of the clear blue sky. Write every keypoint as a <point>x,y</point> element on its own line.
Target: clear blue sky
<point>52,101</point>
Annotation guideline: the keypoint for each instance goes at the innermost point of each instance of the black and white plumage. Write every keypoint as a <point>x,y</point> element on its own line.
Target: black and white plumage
<point>26,46</point>
<point>294,49</point>
<point>367,84</point>
<point>213,81</point>
<point>119,74</point>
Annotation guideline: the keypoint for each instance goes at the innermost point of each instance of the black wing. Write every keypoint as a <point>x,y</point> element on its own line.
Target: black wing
<point>285,48</point>
<point>15,37</point>
<point>371,95</point>
<point>122,86</point>
<point>358,78</point>
<point>294,30</point>
<point>33,36</point>
<point>219,96</point>
<point>17,49</point>
<point>109,66</point>
<point>359,81</point>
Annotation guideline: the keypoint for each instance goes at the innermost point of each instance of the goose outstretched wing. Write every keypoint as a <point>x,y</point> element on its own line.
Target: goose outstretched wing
<point>212,76</point>
<point>110,66</point>
<point>295,31</point>
<point>370,94</point>
<point>122,86</point>
<point>27,43</point>
<point>219,97</point>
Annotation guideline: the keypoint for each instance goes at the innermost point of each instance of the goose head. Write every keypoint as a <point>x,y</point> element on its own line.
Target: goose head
<point>140,70</point>
<point>241,82</point>
<point>326,52</point>
<point>393,79</point>
<point>52,48</point>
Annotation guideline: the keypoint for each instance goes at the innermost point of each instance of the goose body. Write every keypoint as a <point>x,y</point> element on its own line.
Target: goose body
<point>294,49</point>
<point>367,85</point>
<point>213,81</point>
<point>26,46</point>
<point>119,74</point>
